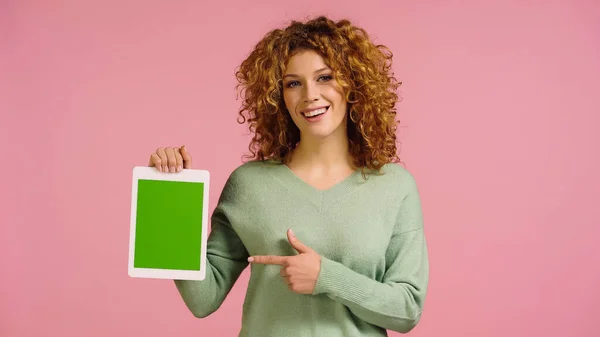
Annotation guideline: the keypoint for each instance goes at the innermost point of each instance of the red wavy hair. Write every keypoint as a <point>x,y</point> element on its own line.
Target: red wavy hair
<point>362,68</point>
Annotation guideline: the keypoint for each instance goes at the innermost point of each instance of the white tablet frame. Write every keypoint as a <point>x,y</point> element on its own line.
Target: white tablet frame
<point>186,175</point>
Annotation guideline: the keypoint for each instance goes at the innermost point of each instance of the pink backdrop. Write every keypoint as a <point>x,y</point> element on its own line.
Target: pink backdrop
<point>499,117</point>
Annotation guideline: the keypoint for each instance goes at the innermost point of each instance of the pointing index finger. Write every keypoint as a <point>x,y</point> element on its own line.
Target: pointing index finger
<point>269,259</point>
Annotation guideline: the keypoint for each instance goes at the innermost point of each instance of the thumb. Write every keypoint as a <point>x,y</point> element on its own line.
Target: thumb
<point>298,246</point>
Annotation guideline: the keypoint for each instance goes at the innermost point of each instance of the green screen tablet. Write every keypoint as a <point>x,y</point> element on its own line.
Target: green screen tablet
<point>169,217</point>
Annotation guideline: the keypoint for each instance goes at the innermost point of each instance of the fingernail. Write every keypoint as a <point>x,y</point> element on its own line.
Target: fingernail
<point>250,259</point>
<point>179,168</point>
<point>172,169</point>
<point>292,233</point>
<point>165,169</point>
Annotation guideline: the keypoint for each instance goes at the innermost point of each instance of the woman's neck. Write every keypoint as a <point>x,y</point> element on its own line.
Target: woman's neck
<point>331,153</point>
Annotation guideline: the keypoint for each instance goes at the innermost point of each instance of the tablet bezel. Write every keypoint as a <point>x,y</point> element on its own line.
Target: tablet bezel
<point>186,175</point>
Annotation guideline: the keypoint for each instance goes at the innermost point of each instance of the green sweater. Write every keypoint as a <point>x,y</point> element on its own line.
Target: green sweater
<point>369,233</point>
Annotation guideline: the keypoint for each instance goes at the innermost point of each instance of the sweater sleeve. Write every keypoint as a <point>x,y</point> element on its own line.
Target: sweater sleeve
<point>395,303</point>
<point>226,258</point>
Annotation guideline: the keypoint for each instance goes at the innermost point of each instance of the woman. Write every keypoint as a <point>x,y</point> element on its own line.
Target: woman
<point>331,226</point>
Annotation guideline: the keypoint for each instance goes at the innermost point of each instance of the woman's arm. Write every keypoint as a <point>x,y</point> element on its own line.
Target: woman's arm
<point>226,259</point>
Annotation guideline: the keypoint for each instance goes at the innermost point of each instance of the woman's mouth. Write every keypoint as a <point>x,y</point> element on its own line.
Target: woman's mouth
<point>316,114</point>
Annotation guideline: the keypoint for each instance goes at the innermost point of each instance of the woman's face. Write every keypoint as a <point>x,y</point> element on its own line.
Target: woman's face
<point>313,97</point>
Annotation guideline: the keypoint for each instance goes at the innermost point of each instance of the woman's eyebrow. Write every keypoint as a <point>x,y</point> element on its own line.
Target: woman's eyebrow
<point>316,71</point>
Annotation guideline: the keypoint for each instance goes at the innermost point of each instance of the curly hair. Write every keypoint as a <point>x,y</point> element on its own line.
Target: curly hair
<point>362,69</point>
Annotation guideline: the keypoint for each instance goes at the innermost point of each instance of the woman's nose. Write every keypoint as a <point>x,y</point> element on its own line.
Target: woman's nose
<point>311,93</point>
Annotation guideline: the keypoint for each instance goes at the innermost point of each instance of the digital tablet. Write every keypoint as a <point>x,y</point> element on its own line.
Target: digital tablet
<point>169,217</point>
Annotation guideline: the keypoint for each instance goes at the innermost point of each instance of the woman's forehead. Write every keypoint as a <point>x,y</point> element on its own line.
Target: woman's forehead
<point>305,62</point>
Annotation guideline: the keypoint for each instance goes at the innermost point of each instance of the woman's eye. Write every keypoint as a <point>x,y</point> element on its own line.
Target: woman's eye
<point>322,78</point>
<point>292,84</point>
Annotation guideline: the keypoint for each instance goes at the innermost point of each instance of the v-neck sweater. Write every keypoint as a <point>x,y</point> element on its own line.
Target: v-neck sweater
<point>368,231</point>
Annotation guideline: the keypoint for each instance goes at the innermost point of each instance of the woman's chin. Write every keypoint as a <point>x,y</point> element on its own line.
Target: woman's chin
<point>321,133</point>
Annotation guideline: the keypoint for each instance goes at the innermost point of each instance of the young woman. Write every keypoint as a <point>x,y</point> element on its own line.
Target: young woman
<point>331,225</point>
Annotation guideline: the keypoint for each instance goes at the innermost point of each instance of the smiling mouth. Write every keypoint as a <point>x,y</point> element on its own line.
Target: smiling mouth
<point>315,113</point>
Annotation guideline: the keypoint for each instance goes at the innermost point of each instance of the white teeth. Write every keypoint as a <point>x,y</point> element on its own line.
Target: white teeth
<point>315,112</point>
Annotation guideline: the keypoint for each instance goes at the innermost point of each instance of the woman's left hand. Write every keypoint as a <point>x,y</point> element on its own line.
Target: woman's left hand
<point>300,271</point>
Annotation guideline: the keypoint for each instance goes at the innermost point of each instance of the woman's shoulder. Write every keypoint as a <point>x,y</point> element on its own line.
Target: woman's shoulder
<point>396,172</point>
<point>254,169</point>
<point>395,177</point>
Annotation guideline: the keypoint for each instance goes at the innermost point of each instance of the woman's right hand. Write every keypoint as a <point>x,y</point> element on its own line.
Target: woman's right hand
<point>171,159</point>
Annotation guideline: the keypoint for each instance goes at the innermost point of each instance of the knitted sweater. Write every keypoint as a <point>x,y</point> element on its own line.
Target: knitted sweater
<point>368,232</point>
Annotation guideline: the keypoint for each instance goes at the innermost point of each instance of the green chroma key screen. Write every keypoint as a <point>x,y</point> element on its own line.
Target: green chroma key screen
<point>168,231</point>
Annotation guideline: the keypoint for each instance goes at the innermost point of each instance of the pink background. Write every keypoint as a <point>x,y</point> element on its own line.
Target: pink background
<point>500,120</point>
